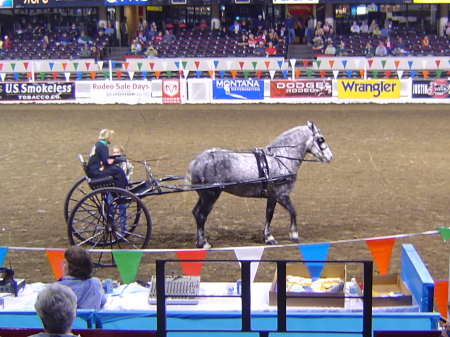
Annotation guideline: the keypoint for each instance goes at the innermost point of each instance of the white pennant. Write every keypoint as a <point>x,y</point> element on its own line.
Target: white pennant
<point>131,74</point>
<point>100,65</point>
<point>67,75</point>
<point>228,64</point>
<point>292,61</point>
<point>3,75</point>
<point>164,64</point>
<point>400,74</point>
<point>210,64</point>
<point>38,65</point>
<point>357,62</point>
<point>185,73</point>
<point>335,73</point>
<point>424,64</point>
<point>272,74</point>
<point>250,253</point>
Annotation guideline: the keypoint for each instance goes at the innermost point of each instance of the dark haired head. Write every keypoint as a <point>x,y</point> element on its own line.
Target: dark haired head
<point>79,262</point>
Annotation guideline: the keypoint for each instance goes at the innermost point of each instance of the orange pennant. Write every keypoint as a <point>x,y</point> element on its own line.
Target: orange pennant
<point>93,74</point>
<point>381,250</point>
<point>233,73</point>
<point>361,73</point>
<point>64,65</point>
<point>388,73</point>
<point>322,73</point>
<point>211,73</point>
<point>441,296</point>
<point>55,258</point>
<point>267,63</point>
<point>191,268</point>
<point>331,62</point>
<point>126,64</point>
<point>297,73</point>
<point>157,73</point>
<point>258,74</point>
<point>397,63</point>
<point>425,73</point>
<point>29,75</point>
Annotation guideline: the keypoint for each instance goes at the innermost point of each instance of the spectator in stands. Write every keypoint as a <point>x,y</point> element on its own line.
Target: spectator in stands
<point>85,52</point>
<point>150,33</point>
<point>124,32</point>
<point>289,23</point>
<point>169,37</point>
<point>224,33</point>
<point>282,34</point>
<point>245,28</point>
<point>84,39</point>
<point>369,50</point>
<point>235,28</point>
<point>142,38</point>
<point>78,270</point>
<point>381,49</point>
<point>259,22</point>
<point>252,41</point>
<point>56,306</point>
<point>330,49</point>
<point>425,41</point>
<point>45,42</point>
<point>74,31</point>
<point>326,27</point>
<point>260,49</point>
<point>385,31</point>
<point>270,49</point>
<point>317,45</point>
<point>364,28</point>
<point>388,44</point>
<point>355,29</point>
<point>101,28</point>
<point>274,35</point>
<point>376,31</point>
<point>399,47</point>
<point>136,47</point>
<point>38,31</point>
<point>273,39</point>
<point>7,43</point>
<point>243,40</point>
<point>158,38</point>
<point>331,35</point>
<point>309,32</point>
<point>110,30</point>
<point>259,31</point>
<point>95,53</point>
<point>341,50</point>
<point>29,30</point>
<point>262,37</point>
<point>65,39</point>
<point>372,26</point>
<point>151,52</point>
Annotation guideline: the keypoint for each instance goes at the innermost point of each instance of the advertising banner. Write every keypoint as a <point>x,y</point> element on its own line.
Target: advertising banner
<point>126,2</point>
<point>121,92</point>
<point>300,88</point>
<point>368,89</point>
<point>56,3</point>
<point>171,92</point>
<point>6,4</point>
<point>430,89</point>
<point>37,91</point>
<point>243,89</point>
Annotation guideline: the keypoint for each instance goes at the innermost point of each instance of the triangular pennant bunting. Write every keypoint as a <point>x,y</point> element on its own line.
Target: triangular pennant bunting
<point>445,233</point>
<point>3,252</point>
<point>127,264</point>
<point>191,268</point>
<point>272,74</point>
<point>250,253</point>
<point>314,252</point>
<point>55,258</point>
<point>441,296</point>
<point>381,250</point>
<point>131,74</point>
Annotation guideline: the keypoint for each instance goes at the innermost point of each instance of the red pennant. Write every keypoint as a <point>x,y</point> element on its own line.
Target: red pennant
<point>29,75</point>
<point>1,66</point>
<point>361,73</point>
<point>211,73</point>
<point>258,74</point>
<point>267,63</point>
<point>441,296</point>
<point>233,73</point>
<point>331,62</point>
<point>157,73</point>
<point>305,63</point>
<point>191,268</point>
<point>425,73</point>
<point>370,63</point>
<point>55,258</point>
<point>438,63</point>
<point>119,74</point>
<point>55,76</point>
<point>297,73</point>
<point>381,250</point>
<point>126,64</point>
<point>197,63</point>
<point>88,65</point>
<point>64,65</point>
<point>397,63</point>
<point>241,64</point>
<point>388,73</point>
<point>151,65</point>
<point>93,74</point>
<point>25,64</point>
<point>180,72</point>
<point>322,73</point>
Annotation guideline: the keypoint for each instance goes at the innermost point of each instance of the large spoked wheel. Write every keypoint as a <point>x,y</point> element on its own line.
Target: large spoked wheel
<point>78,190</point>
<point>109,218</point>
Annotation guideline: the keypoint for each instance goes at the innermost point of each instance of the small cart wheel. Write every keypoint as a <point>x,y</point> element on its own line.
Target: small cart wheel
<point>109,218</point>
<point>78,190</point>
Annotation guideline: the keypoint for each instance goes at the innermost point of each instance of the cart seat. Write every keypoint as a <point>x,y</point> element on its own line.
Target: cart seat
<point>96,183</point>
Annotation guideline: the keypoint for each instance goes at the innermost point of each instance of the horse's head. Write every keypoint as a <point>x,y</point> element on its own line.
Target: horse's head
<point>317,145</point>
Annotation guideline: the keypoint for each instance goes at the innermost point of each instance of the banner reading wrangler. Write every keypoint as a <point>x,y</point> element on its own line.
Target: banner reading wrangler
<point>367,89</point>
<point>300,88</point>
<point>244,89</point>
<point>37,91</point>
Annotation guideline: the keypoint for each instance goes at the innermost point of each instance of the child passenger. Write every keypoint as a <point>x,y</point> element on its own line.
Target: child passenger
<point>125,165</point>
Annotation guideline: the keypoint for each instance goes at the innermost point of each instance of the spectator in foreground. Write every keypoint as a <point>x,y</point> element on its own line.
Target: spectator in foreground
<point>56,306</point>
<point>65,39</point>
<point>381,49</point>
<point>260,50</point>
<point>330,49</point>
<point>85,52</point>
<point>84,39</point>
<point>78,270</point>
<point>368,50</point>
<point>270,49</point>
<point>341,50</point>
<point>151,52</point>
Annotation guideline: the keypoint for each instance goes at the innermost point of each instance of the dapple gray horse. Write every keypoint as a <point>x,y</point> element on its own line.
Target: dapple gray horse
<point>268,172</point>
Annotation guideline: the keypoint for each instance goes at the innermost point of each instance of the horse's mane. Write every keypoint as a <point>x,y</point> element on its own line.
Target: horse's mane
<point>290,137</point>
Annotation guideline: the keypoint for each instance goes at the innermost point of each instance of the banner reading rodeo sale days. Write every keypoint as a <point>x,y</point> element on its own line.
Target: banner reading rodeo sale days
<point>121,91</point>
<point>300,88</point>
<point>37,91</point>
<point>368,89</point>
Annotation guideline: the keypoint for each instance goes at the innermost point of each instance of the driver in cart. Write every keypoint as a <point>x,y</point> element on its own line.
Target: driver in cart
<point>101,165</point>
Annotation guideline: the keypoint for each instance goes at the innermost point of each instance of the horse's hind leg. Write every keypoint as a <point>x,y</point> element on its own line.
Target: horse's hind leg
<point>205,204</point>
<point>270,208</point>
<point>285,201</point>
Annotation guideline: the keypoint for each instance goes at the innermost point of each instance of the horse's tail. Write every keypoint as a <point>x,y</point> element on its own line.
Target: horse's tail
<point>188,177</point>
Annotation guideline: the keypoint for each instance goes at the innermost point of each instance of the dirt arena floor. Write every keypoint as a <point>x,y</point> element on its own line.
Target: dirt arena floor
<point>389,176</point>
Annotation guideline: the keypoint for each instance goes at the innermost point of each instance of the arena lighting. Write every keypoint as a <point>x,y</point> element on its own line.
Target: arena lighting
<point>431,1</point>
<point>241,1</point>
<point>179,2</point>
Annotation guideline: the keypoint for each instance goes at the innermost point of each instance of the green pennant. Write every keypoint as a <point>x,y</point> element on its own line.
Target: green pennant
<point>139,65</point>
<point>184,63</point>
<point>106,74</point>
<point>75,65</point>
<point>13,66</point>
<point>375,73</point>
<point>438,73</point>
<point>445,232</point>
<point>127,264</point>
<point>42,76</point>
<point>169,73</point>
<point>254,64</point>
<point>309,73</point>
<point>318,63</point>
<point>245,74</point>
<point>383,63</point>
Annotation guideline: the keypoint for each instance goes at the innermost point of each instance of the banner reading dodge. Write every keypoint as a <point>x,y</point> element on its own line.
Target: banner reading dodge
<point>367,89</point>
<point>37,91</point>
<point>303,88</point>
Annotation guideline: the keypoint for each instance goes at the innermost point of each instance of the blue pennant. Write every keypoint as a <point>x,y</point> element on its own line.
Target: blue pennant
<point>314,252</point>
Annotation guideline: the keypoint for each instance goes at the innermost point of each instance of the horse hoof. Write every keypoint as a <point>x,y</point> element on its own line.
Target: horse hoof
<point>206,246</point>
<point>271,240</point>
<point>293,236</point>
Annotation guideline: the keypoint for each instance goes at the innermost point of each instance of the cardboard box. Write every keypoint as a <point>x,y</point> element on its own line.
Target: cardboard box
<point>312,299</point>
<point>388,291</point>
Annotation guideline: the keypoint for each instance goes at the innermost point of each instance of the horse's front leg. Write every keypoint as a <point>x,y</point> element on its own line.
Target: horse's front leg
<point>285,201</point>
<point>205,203</point>
<point>270,208</point>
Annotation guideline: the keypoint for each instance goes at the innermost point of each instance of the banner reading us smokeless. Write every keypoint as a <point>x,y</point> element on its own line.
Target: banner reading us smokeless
<point>367,89</point>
